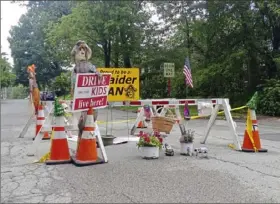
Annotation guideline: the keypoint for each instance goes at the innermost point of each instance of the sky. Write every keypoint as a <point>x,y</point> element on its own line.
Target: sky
<point>10,14</point>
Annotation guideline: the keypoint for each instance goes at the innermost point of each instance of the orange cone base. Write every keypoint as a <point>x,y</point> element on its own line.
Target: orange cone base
<point>53,162</point>
<point>87,163</point>
<point>252,150</point>
<point>46,136</point>
<point>87,153</point>
<point>141,125</point>
<point>59,152</point>
<point>247,144</point>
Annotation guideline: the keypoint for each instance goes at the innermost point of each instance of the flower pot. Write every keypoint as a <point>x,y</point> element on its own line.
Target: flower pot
<point>108,139</point>
<point>149,152</point>
<point>187,149</point>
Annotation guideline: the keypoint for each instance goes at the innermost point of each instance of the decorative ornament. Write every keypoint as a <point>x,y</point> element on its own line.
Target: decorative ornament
<point>58,108</point>
<point>252,104</point>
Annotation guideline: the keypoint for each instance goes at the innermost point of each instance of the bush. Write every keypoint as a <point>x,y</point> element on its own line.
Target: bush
<point>62,84</point>
<point>18,92</point>
<point>269,98</point>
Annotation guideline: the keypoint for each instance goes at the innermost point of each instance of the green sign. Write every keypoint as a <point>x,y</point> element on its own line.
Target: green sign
<point>169,70</point>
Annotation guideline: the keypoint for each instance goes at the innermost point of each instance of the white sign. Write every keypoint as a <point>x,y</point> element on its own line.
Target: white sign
<point>169,70</point>
<point>90,91</point>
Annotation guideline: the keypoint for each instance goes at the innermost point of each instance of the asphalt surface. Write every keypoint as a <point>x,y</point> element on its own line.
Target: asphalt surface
<point>227,176</point>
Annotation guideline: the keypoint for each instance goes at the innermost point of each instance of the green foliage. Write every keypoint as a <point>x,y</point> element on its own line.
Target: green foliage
<point>28,44</point>
<point>111,28</point>
<point>19,92</point>
<point>149,141</point>
<point>7,78</point>
<point>62,83</point>
<point>233,45</point>
<point>154,85</point>
<point>188,137</point>
<point>252,104</point>
<point>58,108</point>
<point>269,98</point>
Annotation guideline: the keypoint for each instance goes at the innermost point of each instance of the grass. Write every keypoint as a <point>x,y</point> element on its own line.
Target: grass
<point>129,108</point>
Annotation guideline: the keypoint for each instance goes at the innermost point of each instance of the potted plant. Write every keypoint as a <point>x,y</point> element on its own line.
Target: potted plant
<point>149,146</point>
<point>186,141</point>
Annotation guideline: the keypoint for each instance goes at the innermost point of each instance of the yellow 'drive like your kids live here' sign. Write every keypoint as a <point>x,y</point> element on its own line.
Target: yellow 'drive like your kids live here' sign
<point>124,84</point>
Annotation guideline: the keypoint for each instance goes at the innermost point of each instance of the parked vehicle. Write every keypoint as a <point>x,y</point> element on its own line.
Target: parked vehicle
<point>47,95</point>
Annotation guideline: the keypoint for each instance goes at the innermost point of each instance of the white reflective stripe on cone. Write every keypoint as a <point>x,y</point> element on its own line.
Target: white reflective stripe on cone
<point>88,135</point>
<point>40,122</point>
<point>59,121</point>
<point>41,113</point>
<point>253,115</point>
<point>59,134</point>
<point>89,121</point>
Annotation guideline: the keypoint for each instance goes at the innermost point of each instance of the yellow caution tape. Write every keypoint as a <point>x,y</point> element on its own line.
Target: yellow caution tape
<point>47,155</point>
<point>44,158</point>
<point>232,146</point>
<point>249,127</point>
<point>118,121</point>
<point>234,109</point>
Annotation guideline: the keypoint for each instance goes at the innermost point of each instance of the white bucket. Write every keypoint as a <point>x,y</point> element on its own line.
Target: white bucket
<point>187,148</point>
<point>149,152</point>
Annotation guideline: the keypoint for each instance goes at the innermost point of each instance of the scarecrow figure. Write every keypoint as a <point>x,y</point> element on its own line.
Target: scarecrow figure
<point>81,53</point>
<point>33,87</point>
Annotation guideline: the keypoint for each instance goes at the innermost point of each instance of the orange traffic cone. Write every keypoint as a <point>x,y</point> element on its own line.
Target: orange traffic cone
<point>141,123</point>
<point>59,153</point>
<point>87,148</point>
<point>251,142</point>
<point>46,136</point>
<point>40,120</point>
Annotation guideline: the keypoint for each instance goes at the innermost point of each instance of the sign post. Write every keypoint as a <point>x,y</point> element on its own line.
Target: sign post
<point>90,91</point>
<point>169,72</point>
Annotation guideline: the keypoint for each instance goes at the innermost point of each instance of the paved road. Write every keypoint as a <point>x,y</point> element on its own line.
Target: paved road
<point>227,176</point>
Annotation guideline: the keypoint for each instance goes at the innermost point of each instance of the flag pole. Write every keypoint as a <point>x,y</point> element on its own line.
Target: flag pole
<point>188,42</point>
<point>187,91</point>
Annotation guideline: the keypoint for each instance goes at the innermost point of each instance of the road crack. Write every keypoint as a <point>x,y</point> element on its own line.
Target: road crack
<point>129,198</point>
<point>251,169</point>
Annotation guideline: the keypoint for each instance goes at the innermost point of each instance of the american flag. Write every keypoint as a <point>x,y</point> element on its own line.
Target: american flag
<point>188,73</point>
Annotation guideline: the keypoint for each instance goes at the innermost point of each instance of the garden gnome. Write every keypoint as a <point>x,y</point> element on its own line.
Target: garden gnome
<point>33,87</point>
<point>81,53</point>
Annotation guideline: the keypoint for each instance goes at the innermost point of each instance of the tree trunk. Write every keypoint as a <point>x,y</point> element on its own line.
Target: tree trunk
<point>253,72</point>
<point>126,58</point>
<point>126,61</point>
<point>107,53</point>
<point>117,58</point>
<point>272,70</point>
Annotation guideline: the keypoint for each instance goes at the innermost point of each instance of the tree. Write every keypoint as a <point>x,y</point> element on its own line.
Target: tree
<point>62,83</point>
<point>7,77</point>
<point>233,45</point>
<point>27,41</point>
<point>111,28</point>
